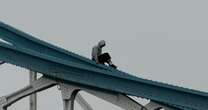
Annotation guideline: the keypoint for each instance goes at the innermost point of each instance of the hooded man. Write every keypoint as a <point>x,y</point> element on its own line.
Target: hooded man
<point>100,57</point>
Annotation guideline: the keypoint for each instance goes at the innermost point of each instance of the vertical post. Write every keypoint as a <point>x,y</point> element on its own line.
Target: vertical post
<point>68,104</point>
<point>33,97</point>
<point>68,95</point>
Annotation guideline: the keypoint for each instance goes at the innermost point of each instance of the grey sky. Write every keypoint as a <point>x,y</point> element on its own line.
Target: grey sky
<point>162,40</point>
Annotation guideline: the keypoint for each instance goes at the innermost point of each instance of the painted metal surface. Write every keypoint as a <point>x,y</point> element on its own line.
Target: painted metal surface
<point>28,52</point>
<point>36,86</point>
<point>83,103</point>
<point>33,97</point>
<point>154,105</point>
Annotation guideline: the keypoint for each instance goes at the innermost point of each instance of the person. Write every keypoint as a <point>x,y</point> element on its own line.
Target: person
<point>100,57</point>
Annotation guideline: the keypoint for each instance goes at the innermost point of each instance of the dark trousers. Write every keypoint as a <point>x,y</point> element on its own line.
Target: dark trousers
<point>103,58</point>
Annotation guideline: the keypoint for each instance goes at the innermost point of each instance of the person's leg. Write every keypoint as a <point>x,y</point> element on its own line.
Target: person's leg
<point>111,64</point>
<point>109,61</point>
<point>101,59</point>
<point>106,58</point>
<point>93,59</point>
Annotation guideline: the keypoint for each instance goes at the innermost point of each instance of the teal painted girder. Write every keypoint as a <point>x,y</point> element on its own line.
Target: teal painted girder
<point>26,51</point>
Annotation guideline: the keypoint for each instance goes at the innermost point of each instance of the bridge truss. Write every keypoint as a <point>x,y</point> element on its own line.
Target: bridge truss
<point>74,73</point>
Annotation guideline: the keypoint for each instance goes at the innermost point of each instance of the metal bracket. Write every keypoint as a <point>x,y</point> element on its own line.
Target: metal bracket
<point>36,86</point>
<point>119,100</point>
<point>69,93</point>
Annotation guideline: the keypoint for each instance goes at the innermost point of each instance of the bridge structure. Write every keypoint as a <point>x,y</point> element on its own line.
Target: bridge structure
<point>74,73</point>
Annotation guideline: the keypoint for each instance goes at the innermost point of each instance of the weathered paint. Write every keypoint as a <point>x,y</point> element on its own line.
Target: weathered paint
<point>26,51</point>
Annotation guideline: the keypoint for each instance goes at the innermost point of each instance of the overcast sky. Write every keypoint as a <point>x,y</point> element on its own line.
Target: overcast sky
<point>161,40</point>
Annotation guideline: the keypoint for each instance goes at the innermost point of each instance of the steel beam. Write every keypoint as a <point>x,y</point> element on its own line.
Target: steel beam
<point>96,80</point>
<point>155,106</point>
<point>33,97</point>
<point>83,103</point>
<point>70,68</point>
<point>36,86</point>
<point>119,100</point>
<point>69,93</point>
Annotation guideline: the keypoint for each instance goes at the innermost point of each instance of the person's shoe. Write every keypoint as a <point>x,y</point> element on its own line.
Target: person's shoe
<point>114,66</point>
<point>2,62</point>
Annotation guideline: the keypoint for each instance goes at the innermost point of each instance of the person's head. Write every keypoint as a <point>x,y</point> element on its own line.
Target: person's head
<point>101,44</point>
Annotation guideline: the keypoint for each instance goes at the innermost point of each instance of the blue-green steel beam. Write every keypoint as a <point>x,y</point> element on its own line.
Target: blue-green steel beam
<point>26,51</point>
